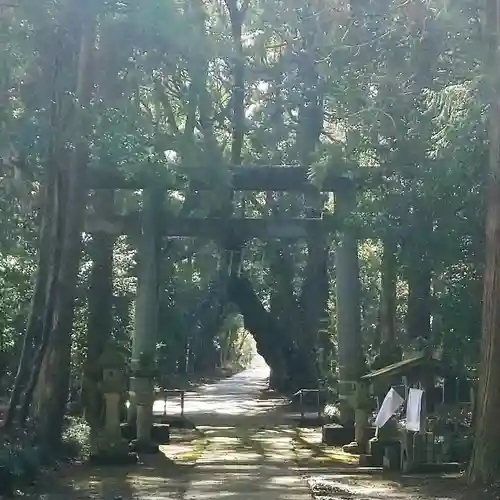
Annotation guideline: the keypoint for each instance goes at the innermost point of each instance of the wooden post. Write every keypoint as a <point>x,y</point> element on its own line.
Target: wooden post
<point>143,363</point>
<point>348,308</point>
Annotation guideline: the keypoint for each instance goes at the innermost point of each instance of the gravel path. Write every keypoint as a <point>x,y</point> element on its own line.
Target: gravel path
<point>245,447</point>
<point>244,451</point>
<point>250,447</point>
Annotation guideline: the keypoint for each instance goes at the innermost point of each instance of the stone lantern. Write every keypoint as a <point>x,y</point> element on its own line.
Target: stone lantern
<point>109,447</point>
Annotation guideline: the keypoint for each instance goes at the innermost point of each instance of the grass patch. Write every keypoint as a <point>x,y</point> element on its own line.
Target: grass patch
<point>196,448</point>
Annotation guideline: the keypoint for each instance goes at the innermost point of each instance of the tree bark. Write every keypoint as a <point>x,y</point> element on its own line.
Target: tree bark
<point>34,329</point>
<point>56,223</point>
<point>100,311</point>
<point>291,368</point>
<point>418,318</point>
<point>485,463</point>
<point>388,292</point>
<point>315,288</point>
<point>33,339</point>
<point>53,381</point>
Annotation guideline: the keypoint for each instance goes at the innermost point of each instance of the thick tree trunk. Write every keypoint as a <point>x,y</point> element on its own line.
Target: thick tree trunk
<point>53,382</point>
<point>418,318</point>
<point>315,289</point>
<point>100,311</point>
<point>33,339</point>
<point>56,223</point>
<point>237,16</point>
<point>388,293</point>
<point>291,368</point>
<point>485,462</point>
<point>182,359</point>
<point>34,330</point>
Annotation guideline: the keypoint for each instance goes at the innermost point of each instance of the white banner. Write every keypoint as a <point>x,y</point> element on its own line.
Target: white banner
<point>414,409</point>
<point>392,402</point>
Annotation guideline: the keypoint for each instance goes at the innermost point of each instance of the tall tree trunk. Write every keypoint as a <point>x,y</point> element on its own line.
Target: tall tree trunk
<point>183,357</point>
<point>100,310</point>
<point>53,381</point>
<point>315,288</point>
<point>56,223</point>
<point>34,330</point>
<point>33,338</point>
<point>418,318</point>
<point>388,292</point>
<point>274,343</point>
<point>485,463</point>
<point>310,124</point>
<point>237,16</point>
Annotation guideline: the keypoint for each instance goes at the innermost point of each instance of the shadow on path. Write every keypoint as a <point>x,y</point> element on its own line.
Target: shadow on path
<point>156,477</point>
<point>246,452</point>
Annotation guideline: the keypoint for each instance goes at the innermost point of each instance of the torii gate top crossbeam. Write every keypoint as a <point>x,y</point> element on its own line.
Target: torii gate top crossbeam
<point>237,229</point>
<point>241,178</point>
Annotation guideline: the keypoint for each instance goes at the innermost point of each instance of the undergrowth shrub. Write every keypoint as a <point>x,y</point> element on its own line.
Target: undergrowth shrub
<point>76,439</point>
<point>20,462</point>
<point>22,459</point>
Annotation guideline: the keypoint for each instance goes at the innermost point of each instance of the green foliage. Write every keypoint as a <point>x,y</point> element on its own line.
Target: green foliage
<point>398,90</point>
<point>76,439</point>
<point>21,461</point>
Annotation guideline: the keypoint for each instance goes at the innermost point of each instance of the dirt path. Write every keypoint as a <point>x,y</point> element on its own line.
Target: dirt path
<point>249,452</point>
<point>243,449</point>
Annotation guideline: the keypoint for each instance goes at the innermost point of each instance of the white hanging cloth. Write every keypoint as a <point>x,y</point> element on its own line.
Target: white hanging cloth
<point>392,402</point>
<point>414,409</point>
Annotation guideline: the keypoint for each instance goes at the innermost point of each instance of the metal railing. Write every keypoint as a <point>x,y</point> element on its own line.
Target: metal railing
<point>301,392</point>
<point>172,392</point>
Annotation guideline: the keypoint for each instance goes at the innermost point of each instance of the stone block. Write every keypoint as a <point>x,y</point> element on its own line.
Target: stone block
<point>160,433</point>
<point>337,435</point>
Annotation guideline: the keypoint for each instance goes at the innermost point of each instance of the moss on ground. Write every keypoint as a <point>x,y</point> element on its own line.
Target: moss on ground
<point>309,450</point>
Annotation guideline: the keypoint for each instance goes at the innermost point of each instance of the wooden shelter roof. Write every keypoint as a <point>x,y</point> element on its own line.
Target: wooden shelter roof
<point>404,366</point>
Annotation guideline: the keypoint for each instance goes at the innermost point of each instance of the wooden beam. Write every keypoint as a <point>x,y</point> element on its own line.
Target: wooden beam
<point>242,178</point>
<point>228,230</point>
<point>116,225</point>
<point>278,178</point>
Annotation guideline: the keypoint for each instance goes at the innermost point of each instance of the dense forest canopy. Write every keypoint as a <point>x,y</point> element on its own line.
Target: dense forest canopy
<point>393,94</point>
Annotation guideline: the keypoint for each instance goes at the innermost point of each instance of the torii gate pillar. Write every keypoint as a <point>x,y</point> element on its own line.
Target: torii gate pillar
<point>144,340</point>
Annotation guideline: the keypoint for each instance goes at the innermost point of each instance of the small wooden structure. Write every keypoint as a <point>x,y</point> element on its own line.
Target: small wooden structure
<point>395,446</point>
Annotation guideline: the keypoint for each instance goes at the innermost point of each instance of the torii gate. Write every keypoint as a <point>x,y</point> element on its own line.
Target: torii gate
<point>242,178</point>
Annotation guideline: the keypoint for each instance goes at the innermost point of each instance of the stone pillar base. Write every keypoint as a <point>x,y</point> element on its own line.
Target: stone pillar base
<point>145,447</point>
<point>109,450</point>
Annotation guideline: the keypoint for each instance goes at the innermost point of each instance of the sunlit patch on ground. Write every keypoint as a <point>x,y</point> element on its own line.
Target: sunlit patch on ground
<point>244,447</point>
<point>335,475</point>
<point>311,451</point>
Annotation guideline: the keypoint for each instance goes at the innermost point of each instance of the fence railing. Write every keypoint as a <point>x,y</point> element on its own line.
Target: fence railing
<point>164,395</point>
<point>301,393</point>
